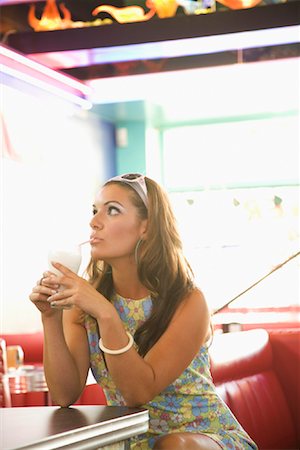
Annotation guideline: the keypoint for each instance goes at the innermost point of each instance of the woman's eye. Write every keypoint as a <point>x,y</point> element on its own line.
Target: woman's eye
<point>94,211</point>
<point>113,210</point>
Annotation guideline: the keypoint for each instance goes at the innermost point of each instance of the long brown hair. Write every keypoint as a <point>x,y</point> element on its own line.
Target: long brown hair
<point>162,267</point>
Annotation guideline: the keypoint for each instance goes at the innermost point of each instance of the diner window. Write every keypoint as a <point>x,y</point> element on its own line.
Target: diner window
<point>235,190</point>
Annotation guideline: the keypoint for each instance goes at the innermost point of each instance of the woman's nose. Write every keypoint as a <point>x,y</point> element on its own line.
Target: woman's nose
<point>96,223</point>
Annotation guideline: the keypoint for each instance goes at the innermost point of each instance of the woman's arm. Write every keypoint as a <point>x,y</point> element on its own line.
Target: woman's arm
<point>66,354</point>
<point>140,379</point>
<point>66,357</point>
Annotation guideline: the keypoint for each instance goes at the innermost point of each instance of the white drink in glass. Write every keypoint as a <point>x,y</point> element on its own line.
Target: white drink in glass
<point>69,257</point>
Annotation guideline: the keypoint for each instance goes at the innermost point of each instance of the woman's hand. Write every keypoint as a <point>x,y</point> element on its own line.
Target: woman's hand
<point>45,287</point>
<point>76,291</point>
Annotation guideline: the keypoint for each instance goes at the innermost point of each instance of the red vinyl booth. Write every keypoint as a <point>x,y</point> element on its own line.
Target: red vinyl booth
<point>256,372</point>
<point>32,345</point>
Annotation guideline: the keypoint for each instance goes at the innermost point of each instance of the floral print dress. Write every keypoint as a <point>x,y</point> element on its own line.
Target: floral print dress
<point>189,404</point>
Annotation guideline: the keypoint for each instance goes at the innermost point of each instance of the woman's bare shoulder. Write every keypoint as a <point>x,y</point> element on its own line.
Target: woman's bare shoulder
<point>194,301</point>
<point>193,314</point>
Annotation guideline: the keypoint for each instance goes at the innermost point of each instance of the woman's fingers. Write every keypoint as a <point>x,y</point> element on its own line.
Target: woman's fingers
<point>45,275</point>
<point>45,287</point>
<point>50,281</point>
<point>41,294</point>
<point>64,270</point>
<point>66,278</point>
<point>62,297</point>
<point>59,291</point>
<point>46,290</point>
<point>39,300</point>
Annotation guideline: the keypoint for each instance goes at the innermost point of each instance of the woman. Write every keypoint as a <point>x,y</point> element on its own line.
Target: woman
<point>152,321</point>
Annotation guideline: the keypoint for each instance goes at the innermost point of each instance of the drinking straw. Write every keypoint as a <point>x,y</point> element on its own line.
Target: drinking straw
<point>85,242</point>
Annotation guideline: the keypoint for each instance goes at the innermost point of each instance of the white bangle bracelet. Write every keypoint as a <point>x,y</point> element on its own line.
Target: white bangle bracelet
<point>121,350</point>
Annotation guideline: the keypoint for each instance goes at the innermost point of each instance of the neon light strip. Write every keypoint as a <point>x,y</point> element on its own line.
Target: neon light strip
<point>39,68</point>
<point>85,104</point>
<point>168,49</point>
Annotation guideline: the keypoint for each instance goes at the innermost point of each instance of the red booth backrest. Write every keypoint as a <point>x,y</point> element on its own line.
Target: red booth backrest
<point>245,371</point>
<point>31,343</point>
<point>286,362</point>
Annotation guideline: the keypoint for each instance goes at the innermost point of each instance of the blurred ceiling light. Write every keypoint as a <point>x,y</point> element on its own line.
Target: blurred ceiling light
<point>237,89</point>
<point>170,49</point>
<point>14,65</point>
<point>162,84</point>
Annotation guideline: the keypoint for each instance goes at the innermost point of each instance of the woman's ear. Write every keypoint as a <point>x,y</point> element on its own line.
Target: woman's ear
<point>144,227</point>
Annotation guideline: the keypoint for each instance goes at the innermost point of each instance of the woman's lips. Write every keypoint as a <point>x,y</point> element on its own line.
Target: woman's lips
<point>95,240</point>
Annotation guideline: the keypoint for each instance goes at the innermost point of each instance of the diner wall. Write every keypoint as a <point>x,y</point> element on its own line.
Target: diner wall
<point>53,160</point>
<point>130,146</point>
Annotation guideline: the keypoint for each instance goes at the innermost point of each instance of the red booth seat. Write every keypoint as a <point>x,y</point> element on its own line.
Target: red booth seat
<point>257,374</point>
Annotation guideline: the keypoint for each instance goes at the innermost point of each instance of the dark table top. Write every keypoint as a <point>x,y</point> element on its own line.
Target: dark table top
<point>81,427</point>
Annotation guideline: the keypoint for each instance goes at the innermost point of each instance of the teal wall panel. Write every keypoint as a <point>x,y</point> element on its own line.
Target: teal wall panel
<point>130,154</point>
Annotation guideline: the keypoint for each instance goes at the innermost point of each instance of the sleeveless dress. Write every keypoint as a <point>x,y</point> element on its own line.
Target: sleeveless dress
<point>189,404</point>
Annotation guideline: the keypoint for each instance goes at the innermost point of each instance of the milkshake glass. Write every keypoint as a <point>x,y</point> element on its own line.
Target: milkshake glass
<point>69,256</point>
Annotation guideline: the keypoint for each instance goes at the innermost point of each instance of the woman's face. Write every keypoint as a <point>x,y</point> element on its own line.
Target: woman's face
<point>116,226</point>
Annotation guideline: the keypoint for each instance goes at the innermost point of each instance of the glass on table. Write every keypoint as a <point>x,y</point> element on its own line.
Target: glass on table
<point>15,356</point>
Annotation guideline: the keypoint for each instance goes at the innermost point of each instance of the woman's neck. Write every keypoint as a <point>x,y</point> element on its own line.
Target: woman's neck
<point>127,284</point>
